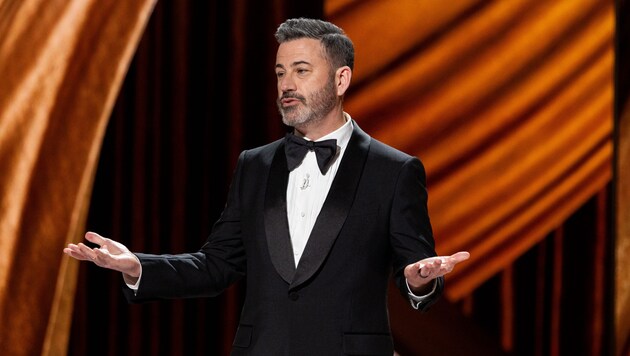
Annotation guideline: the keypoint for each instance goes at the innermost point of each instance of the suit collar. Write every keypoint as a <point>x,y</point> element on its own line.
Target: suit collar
<point>330,219</point>
<point>276,222</point>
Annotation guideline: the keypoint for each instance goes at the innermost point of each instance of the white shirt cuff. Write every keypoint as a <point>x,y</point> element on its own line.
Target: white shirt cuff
<point>416,300</point>
<point>136,285</point>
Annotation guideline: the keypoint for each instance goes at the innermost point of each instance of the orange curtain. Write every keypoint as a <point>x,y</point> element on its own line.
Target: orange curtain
<point>61,64</point>
<point>508,103</point>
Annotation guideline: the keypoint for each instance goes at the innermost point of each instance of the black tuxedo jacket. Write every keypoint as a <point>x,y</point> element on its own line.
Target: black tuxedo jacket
<point>373,223</point>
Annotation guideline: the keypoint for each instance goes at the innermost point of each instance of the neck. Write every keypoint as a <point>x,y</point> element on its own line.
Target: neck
<point>329,123</point>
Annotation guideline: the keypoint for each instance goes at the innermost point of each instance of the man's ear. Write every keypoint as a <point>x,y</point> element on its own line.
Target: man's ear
<point>342,79</point>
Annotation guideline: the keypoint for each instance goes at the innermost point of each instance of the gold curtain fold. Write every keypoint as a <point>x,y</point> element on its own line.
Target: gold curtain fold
<point>509,105</point>
<point>61,65</point>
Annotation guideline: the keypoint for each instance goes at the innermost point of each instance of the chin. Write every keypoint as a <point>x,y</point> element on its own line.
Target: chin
<point>291,120</point>
<point>292,123</point>
<point>297,122</point>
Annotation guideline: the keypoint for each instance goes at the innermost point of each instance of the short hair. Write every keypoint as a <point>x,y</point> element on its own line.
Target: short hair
<point>336,43</point>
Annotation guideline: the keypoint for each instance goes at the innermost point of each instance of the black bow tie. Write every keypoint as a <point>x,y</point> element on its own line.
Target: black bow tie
<point>296,148</point>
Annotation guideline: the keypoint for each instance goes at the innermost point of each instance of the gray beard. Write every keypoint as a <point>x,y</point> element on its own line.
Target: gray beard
<point>321,103</point>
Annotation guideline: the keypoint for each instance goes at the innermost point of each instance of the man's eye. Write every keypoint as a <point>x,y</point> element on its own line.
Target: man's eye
<point>302,71</point>
<point>280,74</point>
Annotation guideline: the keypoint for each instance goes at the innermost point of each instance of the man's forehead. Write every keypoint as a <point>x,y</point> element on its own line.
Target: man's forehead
<point>300,50</point>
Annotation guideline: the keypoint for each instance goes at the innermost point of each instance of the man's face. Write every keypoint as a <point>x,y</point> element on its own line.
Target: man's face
<point>306,83</point>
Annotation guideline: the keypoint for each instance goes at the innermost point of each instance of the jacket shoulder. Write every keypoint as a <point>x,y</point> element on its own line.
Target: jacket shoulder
<point>263,154</point>
<point>378,149</point>
<point>381,150</point>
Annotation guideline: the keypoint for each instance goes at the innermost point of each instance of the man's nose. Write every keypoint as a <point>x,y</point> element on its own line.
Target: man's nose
<point>287,84</point>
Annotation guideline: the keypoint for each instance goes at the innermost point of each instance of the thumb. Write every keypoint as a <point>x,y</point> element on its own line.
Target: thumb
<point>95,238</point>
<point>460,256</point>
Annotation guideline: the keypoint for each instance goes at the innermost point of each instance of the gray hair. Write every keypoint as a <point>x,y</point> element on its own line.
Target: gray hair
<point>337,44</point>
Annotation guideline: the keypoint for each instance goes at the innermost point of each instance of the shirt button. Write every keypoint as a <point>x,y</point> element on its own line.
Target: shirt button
<point>293,296</point>
<point>302,214</point>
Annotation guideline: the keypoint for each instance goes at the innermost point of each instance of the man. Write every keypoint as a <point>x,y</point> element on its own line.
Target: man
<point>314,222</point>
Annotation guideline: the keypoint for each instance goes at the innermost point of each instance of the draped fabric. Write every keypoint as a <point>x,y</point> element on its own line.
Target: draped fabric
<point>509,105</point>
<point>61,64</point>
<point>622,164</point>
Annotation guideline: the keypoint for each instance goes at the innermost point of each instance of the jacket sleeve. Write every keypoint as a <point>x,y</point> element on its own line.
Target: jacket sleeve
<point>219,263</point>
<point>410,228</point>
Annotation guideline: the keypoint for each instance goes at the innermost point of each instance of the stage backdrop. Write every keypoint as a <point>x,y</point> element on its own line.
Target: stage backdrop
<point>61,65</point>
<point>509,104</point>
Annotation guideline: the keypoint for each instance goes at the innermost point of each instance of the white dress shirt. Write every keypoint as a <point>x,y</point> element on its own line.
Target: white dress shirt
<point>308,188</point>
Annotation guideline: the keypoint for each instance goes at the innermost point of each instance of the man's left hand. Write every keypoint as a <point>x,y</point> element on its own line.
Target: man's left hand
<point>421,273</point>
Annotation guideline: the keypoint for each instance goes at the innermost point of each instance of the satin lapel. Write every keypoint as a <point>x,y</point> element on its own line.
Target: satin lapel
<point>336,207</point>
<point>276,223</point>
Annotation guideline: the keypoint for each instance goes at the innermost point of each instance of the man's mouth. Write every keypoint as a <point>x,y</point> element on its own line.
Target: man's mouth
<point>292,100</point>
<point>289,101</point>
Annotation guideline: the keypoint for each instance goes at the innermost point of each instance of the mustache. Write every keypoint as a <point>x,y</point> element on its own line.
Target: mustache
<point>291,95</point>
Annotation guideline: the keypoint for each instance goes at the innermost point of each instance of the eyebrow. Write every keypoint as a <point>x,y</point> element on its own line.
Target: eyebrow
<point>294,64</point>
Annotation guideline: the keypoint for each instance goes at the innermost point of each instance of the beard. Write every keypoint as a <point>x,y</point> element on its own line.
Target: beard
<point>312,110</point>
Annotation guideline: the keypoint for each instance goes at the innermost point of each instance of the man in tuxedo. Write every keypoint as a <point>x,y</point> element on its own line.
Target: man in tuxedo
<point>316,222</point>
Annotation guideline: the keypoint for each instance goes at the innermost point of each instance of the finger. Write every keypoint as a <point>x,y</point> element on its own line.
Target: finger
<point>436,264</point>
<point>430,269</point>
<point>95,238</point>
<point>87,251</point>
<point>74,252</point>
<point>423,271</point>
<point>70,247</point>
<point>459,256</point>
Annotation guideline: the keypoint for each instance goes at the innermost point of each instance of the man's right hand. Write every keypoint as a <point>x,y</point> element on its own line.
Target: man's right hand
<point>110,254</point>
